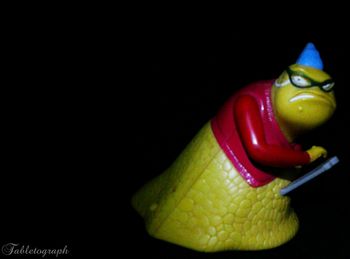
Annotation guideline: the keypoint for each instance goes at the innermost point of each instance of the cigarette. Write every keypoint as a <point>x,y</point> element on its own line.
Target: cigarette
<point>310,175</point>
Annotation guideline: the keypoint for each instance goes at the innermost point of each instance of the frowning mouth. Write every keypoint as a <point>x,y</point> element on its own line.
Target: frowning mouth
<point>312,96</point>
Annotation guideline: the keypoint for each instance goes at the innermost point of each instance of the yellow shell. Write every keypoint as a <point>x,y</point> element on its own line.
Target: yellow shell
<point>201,202</point>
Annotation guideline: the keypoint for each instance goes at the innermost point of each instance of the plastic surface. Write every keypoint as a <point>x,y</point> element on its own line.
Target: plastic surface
<point>220,193</point>
<point>310,57</point>
<point>224,126</point>
<point>201,202</point>
<point>309,176</point>
<point>251,130</point>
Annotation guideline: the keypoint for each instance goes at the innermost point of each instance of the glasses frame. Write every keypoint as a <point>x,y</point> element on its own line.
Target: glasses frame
<point>312,82</point>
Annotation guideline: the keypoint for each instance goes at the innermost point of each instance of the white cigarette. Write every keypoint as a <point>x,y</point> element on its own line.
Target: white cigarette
<point>310,175</point>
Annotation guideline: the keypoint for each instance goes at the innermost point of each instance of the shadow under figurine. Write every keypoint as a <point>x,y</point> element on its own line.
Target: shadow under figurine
<point>220,193</point>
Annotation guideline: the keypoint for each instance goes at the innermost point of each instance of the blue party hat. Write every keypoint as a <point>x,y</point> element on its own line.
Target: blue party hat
<point>310,57</point>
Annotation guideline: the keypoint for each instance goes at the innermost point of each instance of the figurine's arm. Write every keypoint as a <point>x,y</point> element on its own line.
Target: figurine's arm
<point>251,130</point>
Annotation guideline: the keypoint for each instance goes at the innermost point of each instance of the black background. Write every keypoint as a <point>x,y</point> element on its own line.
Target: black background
<point>96,103</point>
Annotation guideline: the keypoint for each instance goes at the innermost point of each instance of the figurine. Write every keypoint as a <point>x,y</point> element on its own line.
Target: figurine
<point>223,191</point>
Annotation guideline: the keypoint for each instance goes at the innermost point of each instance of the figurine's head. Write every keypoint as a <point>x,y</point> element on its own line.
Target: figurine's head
<point>303,95</point>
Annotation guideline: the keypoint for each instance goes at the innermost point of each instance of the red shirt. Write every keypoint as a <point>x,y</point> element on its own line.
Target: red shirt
<point>247,131</point>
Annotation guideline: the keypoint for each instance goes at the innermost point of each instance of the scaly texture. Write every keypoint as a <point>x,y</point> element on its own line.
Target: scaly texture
<point>201,202</point>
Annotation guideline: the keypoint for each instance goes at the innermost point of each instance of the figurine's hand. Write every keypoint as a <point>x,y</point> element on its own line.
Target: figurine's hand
<point>316,152</point>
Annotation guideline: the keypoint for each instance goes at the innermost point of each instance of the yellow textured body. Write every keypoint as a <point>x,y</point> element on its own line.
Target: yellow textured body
<point>201,202</point>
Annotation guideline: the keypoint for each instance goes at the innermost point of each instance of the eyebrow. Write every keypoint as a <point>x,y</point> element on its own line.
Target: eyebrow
<point>307,77</point>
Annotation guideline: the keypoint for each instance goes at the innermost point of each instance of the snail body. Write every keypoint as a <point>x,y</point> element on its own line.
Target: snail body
<point>222,192</point>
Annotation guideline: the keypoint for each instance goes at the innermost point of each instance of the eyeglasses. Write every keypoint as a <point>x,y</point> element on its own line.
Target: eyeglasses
<point>300,80</point>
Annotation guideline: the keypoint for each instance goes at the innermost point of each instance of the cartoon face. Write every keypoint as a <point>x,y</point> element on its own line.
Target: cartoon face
<point>303,97</point>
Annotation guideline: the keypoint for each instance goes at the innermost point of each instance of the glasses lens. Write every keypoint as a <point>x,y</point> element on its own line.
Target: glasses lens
<point>300,81</point>
<point>328,87</point>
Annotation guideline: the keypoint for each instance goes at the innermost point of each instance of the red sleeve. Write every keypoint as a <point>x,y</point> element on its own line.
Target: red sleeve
<point>251,130</point>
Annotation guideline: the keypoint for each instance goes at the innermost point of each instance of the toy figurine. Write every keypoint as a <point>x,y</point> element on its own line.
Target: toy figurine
<point>223,191</point>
